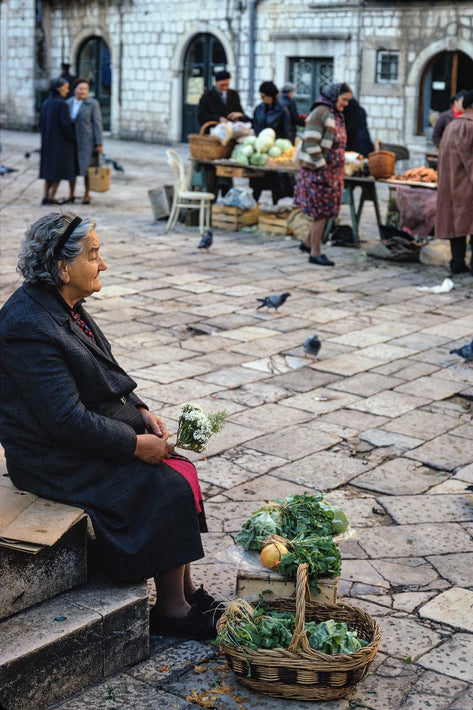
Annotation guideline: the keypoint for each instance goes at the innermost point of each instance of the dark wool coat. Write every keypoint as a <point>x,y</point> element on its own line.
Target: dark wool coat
<point>57,140</point>
<point>68,423</point>
<point>454,216</point>
<point>275,116</point>
<point>442,122</point>
<point>88,130</point>
<point>212,108</point>
<point>358,137</point>
<point>294,118</point>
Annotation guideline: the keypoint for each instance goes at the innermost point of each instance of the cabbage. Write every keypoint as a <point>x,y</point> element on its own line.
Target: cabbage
<point>263,144</point>
<point>249,140</point>
<point>258,159</point>
<point>236,152</point>
<point>247,151</point>
<point>283,144</point>
<point>268,132</point>
<point>242,160</point>
<point>274,152</point>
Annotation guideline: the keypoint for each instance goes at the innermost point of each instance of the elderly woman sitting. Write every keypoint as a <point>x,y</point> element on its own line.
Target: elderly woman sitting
<point>74,430</point>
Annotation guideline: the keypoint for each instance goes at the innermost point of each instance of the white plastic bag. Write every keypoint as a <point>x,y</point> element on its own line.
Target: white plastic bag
<point>222,131</point>
<point>240,197</point>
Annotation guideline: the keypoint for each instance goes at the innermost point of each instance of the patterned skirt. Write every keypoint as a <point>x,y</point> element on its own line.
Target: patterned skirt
<point>318,193</point>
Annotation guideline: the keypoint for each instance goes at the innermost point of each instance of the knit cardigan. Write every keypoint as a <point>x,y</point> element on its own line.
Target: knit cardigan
<point>318,137</point>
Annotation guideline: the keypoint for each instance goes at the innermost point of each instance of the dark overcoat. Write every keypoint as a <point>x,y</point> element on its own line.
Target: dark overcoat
<point>294,118</point>
<point>88,130</point>
<point>212,108</point>
<point>454,216</point>
<point>57,140</point>
<point>68,423</point>
<point>275,116</point>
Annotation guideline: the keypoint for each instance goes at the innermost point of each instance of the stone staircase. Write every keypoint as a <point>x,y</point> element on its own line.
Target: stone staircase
<point>61,631</point>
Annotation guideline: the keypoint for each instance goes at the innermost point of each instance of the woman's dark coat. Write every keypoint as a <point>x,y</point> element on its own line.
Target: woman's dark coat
<point>358,137</point>
<point>88,130</point>
<point>68,423</point>
<point>274,116</point>
<point>57,141</point>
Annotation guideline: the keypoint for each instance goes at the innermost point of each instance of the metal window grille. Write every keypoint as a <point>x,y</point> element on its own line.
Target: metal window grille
<point>387,67</point>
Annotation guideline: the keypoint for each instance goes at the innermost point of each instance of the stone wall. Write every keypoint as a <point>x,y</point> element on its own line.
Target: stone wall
<point>148,42</point>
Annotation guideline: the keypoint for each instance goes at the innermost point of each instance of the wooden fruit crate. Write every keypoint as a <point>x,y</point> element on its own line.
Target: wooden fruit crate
<point>249,585</point>
<point>274,223</point>
<point>233,218</point>
<point>235,171</point>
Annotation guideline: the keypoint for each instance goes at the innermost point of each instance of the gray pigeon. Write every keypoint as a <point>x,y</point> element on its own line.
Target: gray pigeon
<point>206,241</point>
<point>4,170</point>
<point>312,346</point>
<point>273,301</point>
<point>466,352</point>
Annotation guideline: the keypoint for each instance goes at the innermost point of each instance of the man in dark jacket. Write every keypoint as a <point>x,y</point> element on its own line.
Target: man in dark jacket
<point>287,100</point>
<point>455,110</point>
<point>358,137</point>
<point>220,103</point>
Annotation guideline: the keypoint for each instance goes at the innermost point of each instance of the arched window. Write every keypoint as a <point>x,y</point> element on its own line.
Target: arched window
<point>444,75</point>
<point>93,63</point>
<point>205,55</point>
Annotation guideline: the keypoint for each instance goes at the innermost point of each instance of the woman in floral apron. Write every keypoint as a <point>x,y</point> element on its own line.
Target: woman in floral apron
<point>319,187</point>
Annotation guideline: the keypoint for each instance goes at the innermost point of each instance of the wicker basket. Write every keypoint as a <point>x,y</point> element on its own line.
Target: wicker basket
<point>382,163</point>
<point>301,673</point>
<point>205,147</point>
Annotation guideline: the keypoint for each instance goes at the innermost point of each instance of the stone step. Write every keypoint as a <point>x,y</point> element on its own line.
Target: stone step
<point>52,650</point>
<point>28,579</point>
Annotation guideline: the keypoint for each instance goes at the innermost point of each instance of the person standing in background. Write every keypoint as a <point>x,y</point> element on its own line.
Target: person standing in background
<point>70,78</point>
<point>287,100</point>
<point>87,119</point>
<point>454,216</point>
<point>220,103</point>
<point>358,137</point>
<point>57,160</point>
<point>455,111</point>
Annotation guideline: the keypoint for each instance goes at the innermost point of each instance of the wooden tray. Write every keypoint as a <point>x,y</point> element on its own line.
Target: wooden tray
<point>410,183</point>
<point>238,171</point>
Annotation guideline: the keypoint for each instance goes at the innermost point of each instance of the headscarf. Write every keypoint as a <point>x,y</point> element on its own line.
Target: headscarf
<point>332,92</point>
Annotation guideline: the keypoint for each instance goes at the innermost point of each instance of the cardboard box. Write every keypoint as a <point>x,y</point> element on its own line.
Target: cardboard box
<point>250,585</point>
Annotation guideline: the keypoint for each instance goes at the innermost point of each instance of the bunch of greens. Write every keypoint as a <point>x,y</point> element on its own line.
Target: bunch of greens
<point>264,628</point>
<point>262,524</point>
<point>333,637</point>
<point>197,428</point>
<point>310,515</point>
<point>321,555</point>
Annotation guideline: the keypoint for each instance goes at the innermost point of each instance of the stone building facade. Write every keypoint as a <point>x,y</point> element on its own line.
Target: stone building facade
<point>149,61</point>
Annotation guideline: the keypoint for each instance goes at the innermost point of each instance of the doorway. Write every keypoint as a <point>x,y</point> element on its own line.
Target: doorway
<point>93,63</point>
<point>444,75</point>
<point>310,76</point>
<point>205,56</point>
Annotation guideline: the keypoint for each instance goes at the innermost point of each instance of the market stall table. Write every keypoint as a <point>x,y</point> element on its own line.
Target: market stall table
<point>206,172</point>
<point>417,203</point>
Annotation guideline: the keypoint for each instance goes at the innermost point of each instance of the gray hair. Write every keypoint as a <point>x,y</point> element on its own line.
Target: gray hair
<point>38,260</point>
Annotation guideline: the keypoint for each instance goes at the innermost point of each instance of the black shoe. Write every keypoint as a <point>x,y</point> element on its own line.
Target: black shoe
<point>206,603</point>
<point>69,201</point>
<point>193,626</point>
<point>304,247</point>
<point>459,269</point>
<point>321,260</point>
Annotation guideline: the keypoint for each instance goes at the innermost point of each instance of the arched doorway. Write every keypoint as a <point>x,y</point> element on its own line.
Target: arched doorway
<point>444,75</point>
<point>205,55</point>
<point>93,63</point>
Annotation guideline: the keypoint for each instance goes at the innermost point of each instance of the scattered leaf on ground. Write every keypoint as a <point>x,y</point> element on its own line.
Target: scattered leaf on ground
<point>203,699</point>
<point>223,689</point>
<point>200,669</point>
<point>164,668</point>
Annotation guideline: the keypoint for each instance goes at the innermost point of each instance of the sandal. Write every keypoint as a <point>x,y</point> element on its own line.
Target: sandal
<point>193,626</point>
<point>206,603</point>
<point>85,202</point>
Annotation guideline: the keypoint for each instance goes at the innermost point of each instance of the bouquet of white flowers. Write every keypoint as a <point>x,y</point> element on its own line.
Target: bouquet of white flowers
<point>197,428</point>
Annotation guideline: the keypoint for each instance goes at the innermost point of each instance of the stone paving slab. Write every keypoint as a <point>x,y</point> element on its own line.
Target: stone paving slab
<point>446,453</point>
<point>400,476</point>
<point>389,404</point>
<point>452,607</point>
<point>435,508</point>
<point>422,424</point>
<point>293,442</point>
<point>323,471</point>
<point>452,658</point>
<point>416,540</point>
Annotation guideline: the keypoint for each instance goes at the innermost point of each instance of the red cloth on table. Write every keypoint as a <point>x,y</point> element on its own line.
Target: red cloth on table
<point>417,208</point>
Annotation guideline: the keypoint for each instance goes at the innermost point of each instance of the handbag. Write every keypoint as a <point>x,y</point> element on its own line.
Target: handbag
<point>99,176</point>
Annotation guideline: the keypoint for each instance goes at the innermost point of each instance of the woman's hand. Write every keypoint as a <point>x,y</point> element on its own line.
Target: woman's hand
<point>153,424</point>
<point>152,449</point>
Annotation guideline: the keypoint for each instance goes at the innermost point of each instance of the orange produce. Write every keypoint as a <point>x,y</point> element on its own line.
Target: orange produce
<point>272,552</point>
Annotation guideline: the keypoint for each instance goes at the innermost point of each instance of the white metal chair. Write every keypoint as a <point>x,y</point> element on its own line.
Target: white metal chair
<point>185,198</point>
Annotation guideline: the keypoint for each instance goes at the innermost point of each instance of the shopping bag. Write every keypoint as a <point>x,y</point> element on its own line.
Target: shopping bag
<point>99,177</point>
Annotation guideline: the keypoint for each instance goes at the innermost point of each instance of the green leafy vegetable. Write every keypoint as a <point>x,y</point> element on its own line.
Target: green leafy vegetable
<point>262,524</point>
<point>333,637</point>
<point>320,553</point>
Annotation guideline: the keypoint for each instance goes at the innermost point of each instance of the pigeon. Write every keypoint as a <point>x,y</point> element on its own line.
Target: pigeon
<point>312,346</point>
<point>273,301</point>
<point>110,161</point>
<point>206,241</point>
<point>466,352</point>
<point>4,170</point>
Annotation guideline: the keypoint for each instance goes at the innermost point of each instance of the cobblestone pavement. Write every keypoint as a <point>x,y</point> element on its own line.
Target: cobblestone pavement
<point>381,422</point>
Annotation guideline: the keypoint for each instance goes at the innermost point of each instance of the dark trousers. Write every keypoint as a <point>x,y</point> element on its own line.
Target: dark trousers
<point>458,249</point>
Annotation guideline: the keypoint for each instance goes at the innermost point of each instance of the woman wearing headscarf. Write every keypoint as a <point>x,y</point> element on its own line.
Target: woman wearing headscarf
<point>319,185</point>
<point>57,141</point>
<point>87,119</point>
<point>74,430</point>
<point>270,113</point>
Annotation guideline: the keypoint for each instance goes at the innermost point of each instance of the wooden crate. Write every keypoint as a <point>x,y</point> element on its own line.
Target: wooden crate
<point>233,218</point>
<point>249,585</point>
<point>274,223</point>
<point>234,171</point>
